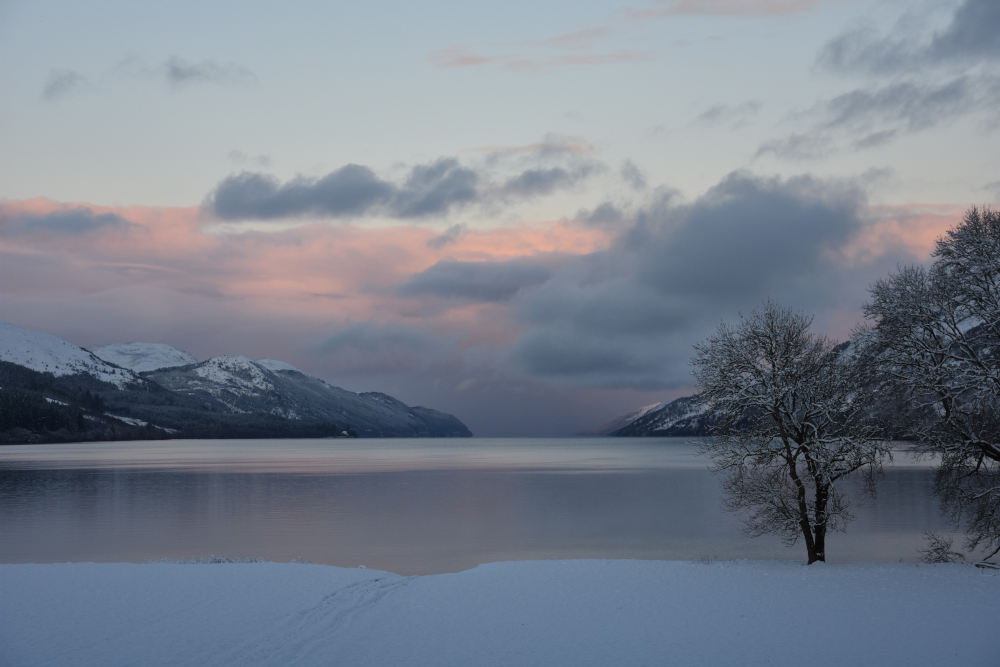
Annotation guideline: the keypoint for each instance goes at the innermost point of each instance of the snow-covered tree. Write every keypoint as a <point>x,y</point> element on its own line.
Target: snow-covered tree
<point>793,423</point>
<point>940,329</point>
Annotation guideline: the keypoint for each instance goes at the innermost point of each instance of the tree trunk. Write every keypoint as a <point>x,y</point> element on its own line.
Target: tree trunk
<point>819,530</point>
<point>800,493</point>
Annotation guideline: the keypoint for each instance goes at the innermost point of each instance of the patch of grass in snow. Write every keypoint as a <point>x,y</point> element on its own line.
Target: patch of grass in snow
<point>213,560</point>
<point>216,560</point>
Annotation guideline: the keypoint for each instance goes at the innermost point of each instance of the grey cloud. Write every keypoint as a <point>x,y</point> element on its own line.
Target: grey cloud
<point>62,82</point>
<point>369,348</point>
<point>726,7</point>
<point>913,106</point>
<point>974,32</point>
<point>626,316</point>
<point>564,352</point>
<point>449,236</point>
<point>175,72</point>
<point>180,72</point>
<point>432,189</point>
<point>876,139</point>
<point>935,79</point>
<point>993,188</point>
<point>973,35</point>
<point>733,113</point>
<point>558,144</point>
<point>550,145</point>
<point>240,157</point>
<point>632,175</point>
<point>476,281</point>
<point>74,221</point>
<point>604,214</point>
<point>536,182</point>
<point>874,116</point>
<point>759,230</point>
<point>350,190</point>
<point>797,146</point>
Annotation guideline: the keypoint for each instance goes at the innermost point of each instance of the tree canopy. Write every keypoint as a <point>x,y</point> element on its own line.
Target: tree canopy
<point>793,421</point>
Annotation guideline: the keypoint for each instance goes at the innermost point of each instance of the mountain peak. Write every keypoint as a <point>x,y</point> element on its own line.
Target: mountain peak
<point>45,353</point>
<point>143,357</point>
<point>275,365</point>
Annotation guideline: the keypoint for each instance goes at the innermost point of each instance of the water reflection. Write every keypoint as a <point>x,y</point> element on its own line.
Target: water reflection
<point>406,506</point>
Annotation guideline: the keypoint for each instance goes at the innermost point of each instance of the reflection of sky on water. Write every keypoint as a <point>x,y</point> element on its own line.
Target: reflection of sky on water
<point>407,506</point>
<point>373,455</point>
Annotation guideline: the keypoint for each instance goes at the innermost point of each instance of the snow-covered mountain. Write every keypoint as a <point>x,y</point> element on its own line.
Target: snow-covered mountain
<point>240,385</point>
<point>684,416</point>
<point>47,354</point>
<point>681,417</point>
<point>226,396</point>
<point>144,357</point>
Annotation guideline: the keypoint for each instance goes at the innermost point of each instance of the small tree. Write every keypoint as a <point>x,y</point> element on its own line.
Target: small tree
<point>940,330</point>
<point>793,421</point>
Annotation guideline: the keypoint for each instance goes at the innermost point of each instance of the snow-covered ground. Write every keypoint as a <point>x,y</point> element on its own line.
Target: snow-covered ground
<point>549,613</point>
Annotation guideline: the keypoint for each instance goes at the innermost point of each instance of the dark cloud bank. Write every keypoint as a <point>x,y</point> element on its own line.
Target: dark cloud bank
<point>476,281</point>
<point>354,190</point>
<point>626,317</point>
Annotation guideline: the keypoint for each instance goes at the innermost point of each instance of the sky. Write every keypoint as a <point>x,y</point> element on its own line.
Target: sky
<point>521,213</point>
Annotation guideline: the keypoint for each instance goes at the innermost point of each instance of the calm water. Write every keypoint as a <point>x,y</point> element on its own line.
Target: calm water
<point>409,506</point>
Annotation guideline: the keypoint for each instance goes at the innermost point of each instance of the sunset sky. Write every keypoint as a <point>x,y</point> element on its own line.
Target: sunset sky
<point>521,213</point>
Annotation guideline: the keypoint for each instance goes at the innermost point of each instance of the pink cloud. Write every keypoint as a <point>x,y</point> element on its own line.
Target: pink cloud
<point>288,293</point>
<point>314,278</point>
<point>459,56</point>
<point>579,39</point>
<point>911,228</point>
<point>576,60</point>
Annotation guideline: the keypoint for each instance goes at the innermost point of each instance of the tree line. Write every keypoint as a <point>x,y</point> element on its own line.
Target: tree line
<point>797,414</point>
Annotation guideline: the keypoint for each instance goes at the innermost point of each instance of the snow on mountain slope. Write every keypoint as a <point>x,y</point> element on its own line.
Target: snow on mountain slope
<point>142,357</point>
<point>47,354</point>
<point>275,365</point>
<point>231,377</point>
<point>686,416</point>
<point>237,384</point>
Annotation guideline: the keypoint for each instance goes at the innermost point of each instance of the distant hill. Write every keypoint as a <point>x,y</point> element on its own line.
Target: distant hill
<point>619,423</point>
<point>54,391</point>
<point>687,417</point>
<point>681,417</point>
<point>240,385</point>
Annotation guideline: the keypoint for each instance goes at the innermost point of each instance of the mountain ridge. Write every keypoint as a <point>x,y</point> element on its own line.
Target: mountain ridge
<point>68,392</point>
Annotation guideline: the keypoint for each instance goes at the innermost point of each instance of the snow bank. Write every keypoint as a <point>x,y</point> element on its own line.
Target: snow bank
<point>525,613</point>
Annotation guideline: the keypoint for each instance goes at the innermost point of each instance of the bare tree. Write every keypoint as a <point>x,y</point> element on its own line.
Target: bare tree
<point>793,422</point>
<point>940,329</point>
